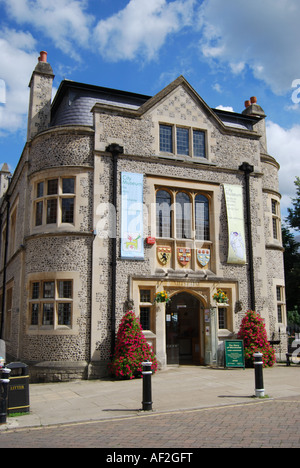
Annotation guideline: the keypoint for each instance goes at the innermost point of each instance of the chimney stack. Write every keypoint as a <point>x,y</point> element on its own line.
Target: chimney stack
<point>5,176</point>
<point>43,56</point>
<point>253,109</point>
<point>39,113</point>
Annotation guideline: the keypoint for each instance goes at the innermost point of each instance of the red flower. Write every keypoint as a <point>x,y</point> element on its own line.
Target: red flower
<point>253,333</point>
<point>131,349</point>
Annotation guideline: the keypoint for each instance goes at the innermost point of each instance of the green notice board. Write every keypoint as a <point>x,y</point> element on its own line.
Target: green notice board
<point>234,354</point>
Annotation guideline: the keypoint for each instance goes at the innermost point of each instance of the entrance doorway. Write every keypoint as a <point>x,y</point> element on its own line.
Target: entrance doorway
<point>183,329</point>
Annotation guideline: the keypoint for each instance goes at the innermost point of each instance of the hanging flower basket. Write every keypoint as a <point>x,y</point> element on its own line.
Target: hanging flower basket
<point>162,296</point>
<point>220,297</point>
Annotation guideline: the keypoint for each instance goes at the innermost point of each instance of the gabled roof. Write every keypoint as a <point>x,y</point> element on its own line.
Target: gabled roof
<point>227,122</point>
<point>222,118</point>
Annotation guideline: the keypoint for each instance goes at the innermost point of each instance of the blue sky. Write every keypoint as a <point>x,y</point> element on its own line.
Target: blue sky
<point>227,50</point>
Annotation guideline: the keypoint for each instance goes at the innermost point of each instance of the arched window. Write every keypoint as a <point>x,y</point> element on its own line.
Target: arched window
<point>163,214</point>
<point>183,216</point>
<point>202,217</point>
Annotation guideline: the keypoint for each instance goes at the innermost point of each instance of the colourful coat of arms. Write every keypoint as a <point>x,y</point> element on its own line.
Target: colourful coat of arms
<point>164,254</point>
<point>183,255</point>
<point>203,256</point>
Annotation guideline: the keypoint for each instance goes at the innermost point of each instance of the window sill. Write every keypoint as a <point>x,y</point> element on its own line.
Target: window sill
<point>50,331</point>
<point>275,246</point>
<point>224,333</point>
<point>178,239</point>
<point>189,159</point>
<point>149,334</point>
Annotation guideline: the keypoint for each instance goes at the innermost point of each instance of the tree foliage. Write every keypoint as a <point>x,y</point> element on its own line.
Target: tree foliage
<point>292,258</point>
<point>293,217</point>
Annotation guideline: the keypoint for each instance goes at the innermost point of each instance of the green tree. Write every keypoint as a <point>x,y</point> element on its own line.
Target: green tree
<point>293,217</point>
<point>131,349</point>
<point>291,269</point>
<point>292,258</point>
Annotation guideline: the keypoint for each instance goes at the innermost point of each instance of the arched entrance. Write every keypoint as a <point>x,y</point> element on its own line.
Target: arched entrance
<point>183,323</point>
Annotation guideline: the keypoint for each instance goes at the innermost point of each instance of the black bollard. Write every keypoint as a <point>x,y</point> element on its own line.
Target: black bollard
<point>147,391</point>
<point>258,368</point>
<point>4,383</point>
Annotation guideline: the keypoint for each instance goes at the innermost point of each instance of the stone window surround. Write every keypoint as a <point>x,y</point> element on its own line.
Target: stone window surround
<point>192,195</point>
<point>61,173</point>
<point>211,191</point>
<point>273,199</point>
<point>174,153</point>
<point>57,197</point>
<point>12,232</point>
<point>13,228</point>
<point>276,221</point>
<point>148,305</point>
<point>8,308</point>
<point>280,302</point>
<point>75,311</point>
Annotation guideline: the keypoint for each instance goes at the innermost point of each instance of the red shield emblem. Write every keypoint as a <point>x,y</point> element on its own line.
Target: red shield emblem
<point>183,255</point>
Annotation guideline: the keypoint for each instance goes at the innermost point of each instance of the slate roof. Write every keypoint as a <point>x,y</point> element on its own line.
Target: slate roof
<point>74,101</point>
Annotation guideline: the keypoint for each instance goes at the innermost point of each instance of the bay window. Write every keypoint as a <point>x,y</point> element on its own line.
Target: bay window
<point>51,303</point>
<point>54,201</point>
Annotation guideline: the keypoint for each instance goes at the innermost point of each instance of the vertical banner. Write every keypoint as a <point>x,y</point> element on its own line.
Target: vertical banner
<point>132,238</point>
<point>236,224</point>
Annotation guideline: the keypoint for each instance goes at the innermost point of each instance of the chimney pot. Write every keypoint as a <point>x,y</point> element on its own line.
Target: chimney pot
<point>253,100</point>
<point>43,56</point>
<point>247,103</point>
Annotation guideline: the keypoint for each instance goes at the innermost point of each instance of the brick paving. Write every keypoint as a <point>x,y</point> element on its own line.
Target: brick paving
<point>266,423</point>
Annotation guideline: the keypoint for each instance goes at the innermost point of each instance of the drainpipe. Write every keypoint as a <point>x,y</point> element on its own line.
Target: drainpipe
<point>248,169</point>
<point>115,150</point>
<point>7,199</point>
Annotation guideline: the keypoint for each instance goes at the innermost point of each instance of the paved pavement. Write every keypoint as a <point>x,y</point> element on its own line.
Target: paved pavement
<point>192,407</point>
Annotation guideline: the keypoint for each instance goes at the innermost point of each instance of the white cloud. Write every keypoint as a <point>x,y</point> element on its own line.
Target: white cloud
<point>141,28</point>
<point>225,108</point>
<point>217,87</point>
<point>64,21</point>
<point>263,36</point>
<point>284,146</point>
<point>18,58</point>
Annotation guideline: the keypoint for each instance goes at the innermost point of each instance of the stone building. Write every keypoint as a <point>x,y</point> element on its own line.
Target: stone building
<point>118,196</point>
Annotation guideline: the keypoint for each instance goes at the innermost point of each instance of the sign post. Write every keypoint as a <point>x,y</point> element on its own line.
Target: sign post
<point>234,354</point>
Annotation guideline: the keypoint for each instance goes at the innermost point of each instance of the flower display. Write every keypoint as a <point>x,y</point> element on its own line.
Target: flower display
<point>220,296</point>
<point>131,349</point>
<point>162,296</point>
<point>253,333</point>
